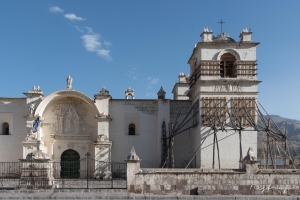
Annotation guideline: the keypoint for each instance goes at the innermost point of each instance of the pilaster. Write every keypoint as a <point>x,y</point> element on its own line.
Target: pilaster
<point>103,145</point>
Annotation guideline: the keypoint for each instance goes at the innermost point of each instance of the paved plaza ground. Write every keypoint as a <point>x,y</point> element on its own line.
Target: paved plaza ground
<point>121,194</point>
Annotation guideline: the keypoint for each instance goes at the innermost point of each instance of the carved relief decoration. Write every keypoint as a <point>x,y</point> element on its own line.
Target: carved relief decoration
<point>144,107</point>
<point>70,145</point>
<point>180,108</point>
<point>228,88</point>
<point>70,113</point>
<point>102,138</point>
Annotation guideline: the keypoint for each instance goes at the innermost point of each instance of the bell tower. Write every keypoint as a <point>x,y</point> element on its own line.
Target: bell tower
<point>223,81</point>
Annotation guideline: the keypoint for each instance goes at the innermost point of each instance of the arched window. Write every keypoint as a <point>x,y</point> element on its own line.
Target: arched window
<point>5,128</point>
<point>131,129</point>
<point>227,67</point>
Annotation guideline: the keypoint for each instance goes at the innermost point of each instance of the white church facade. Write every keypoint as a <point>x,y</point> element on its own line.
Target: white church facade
<point>222,75</point>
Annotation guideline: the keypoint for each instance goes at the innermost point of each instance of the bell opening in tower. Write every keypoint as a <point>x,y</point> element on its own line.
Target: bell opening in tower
<point>227,66</point>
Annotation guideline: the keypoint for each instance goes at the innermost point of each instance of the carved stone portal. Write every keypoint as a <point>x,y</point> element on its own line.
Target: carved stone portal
<point>70,114</point>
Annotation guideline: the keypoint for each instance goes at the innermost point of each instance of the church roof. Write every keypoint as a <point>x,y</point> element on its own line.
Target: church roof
<point>223,38</point>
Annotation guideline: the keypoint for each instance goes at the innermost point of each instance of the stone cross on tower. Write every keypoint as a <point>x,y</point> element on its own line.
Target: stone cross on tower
<point>221,22</point>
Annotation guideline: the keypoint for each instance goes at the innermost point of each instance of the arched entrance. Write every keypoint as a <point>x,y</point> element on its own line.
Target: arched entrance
<point>70,164</point>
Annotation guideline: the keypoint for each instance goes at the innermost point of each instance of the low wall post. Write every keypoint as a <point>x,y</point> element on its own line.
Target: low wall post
<point>249,163</point>
<point>133,167</point>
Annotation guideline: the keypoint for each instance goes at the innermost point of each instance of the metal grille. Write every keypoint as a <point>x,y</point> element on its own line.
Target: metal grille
<point>86,173</point>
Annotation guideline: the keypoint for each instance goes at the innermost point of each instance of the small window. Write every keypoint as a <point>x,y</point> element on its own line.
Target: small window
<point>5,128</point>
<point>131,129</point>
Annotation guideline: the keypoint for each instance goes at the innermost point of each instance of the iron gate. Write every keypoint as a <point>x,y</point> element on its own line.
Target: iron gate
<point>89,173</point>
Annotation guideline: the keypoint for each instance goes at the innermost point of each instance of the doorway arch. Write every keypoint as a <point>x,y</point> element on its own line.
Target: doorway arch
<point>70,164</point>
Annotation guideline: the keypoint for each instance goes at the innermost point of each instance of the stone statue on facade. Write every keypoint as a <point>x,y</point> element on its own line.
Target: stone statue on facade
<point>31,108</point>
<point>36,128</point>
<point>69,82</point>
<point>34,134</point>
<point>36,90</point>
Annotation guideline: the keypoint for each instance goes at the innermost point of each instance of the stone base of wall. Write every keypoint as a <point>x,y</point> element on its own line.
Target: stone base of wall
<point>215,182</point>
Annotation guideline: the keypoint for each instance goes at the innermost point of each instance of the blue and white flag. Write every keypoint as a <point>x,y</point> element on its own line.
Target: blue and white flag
<point>36,125</point>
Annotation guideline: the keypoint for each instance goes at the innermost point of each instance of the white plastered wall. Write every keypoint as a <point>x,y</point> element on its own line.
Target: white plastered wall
<point>145,141</point>
<point>212,52</point>
<point>182,141</point>
<point>12,111</point>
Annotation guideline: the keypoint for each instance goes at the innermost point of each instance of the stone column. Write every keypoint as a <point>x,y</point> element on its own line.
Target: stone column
<point>133,167</point>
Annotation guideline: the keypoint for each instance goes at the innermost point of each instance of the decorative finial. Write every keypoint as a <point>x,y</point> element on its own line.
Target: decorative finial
<point>104,91</point>
<point>129,92</point>
<point>133,155</point>
<point>245,30</point>
<point>161,93</point>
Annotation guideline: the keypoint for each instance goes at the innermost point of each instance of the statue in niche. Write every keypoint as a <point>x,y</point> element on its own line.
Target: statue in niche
<point>69,82</point>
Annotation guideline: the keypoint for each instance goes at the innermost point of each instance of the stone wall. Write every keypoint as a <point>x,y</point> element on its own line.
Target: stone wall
<point>213,182</point>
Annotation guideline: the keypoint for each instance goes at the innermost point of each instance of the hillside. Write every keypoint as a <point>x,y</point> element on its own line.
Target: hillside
<point>292,129</point>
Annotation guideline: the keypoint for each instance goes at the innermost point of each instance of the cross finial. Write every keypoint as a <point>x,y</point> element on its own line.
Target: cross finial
<point>221,22</point>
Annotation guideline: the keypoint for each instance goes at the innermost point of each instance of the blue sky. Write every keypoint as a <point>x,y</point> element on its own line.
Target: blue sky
<point>142,45</point>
